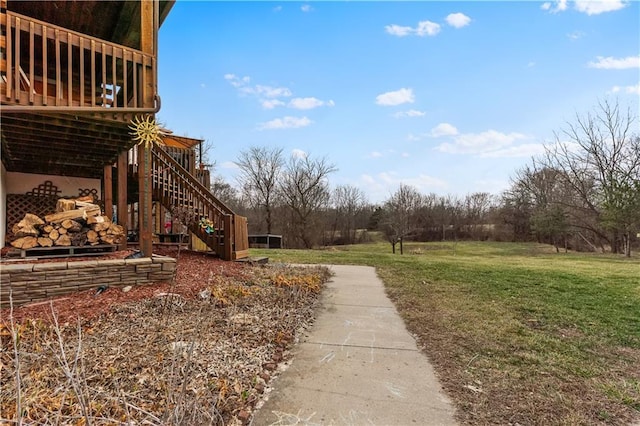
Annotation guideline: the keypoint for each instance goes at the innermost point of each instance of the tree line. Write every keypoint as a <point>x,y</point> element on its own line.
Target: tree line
<point>583,194</point>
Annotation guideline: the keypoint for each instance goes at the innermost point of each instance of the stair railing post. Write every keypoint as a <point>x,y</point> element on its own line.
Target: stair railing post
<point>228,237</point>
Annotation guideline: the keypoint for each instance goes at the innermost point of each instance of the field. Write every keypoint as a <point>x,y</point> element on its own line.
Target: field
<point>518,334</point>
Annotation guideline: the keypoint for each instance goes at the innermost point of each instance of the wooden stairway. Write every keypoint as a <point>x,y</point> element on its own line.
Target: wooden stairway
<point>179,191</point>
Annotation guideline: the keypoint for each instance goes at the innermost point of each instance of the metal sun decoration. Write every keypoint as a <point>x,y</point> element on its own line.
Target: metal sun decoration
<point>146,131</point>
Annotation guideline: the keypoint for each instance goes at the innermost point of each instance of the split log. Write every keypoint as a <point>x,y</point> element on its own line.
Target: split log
<point>86,204</point>
<point>62,230</point>
<point>99,223</point>
<point>64,205</point>
<point>54,235</point>
<point>31,219</point>
<point>109,239</point>
<point>45,242</point>
<point>24,231</point>
<point>78,239</point>
<point>73,214</point>
<point>25,243</point>
<point>87,198</point>
<point>92,237</point>
<point>47,228</point>
<point>71,225</point>
<point>116,229</point>
<point>27,226</point>
<point>63,240</point>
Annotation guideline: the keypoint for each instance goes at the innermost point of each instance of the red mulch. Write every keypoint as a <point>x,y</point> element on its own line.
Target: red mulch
<point>193,268</point>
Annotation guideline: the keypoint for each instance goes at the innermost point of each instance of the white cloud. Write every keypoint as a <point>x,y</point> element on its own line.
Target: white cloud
<point>308,103</point>
<point>611,63</point>
<point>411,137</point>
<point>427,28</point>
<point>375,154</point>
<point>306,8</point>
<point>397,97</point>
<point>410,113</point>
<point>271,103</point>
<point>593,7</point>
<point>398,30</point>
<point>424,28</point>
<point>405,155</point>
<point>285,123</point>
<point>524,150</point>
<point>590,7</point>
<point>229,165</point>
<point>236,81</point>
<point>631,90</point>
<point>458,20</point>
<point>260,90</point>
<point>575,35</point>
<point>298,153</point>
<point>266,91</point>
<point>555,7</point>
<point>277,8</point>
<point>443,129</point>
<point>380,186</point>
<point>480,143</point>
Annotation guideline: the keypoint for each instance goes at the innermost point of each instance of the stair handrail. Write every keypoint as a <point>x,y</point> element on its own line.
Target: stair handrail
<point>193,183</point>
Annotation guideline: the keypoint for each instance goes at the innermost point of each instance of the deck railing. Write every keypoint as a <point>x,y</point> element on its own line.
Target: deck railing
<point>43,66</point>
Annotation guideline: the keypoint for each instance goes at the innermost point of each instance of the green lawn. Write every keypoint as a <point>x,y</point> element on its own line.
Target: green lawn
<point>517,332</point>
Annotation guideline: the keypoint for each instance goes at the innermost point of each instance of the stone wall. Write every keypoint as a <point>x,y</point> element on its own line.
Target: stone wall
<point>30,282</point>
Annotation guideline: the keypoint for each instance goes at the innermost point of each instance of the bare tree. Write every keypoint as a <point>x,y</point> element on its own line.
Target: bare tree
<point>260,169</point>
<point>600,162</point>
<point>304,189</point>
<point>226,193</point>
<point>476,208</point>
<point>348,203</point>
<point>401,218</point>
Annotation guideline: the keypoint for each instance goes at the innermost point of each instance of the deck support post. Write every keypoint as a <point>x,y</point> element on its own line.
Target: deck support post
<point>121,208</point>
<point>148,30</point>
<point>107,191</point>
<point>145,222</point>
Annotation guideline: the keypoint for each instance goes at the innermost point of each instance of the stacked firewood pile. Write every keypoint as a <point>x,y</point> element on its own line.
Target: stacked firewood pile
<point>76,222</point>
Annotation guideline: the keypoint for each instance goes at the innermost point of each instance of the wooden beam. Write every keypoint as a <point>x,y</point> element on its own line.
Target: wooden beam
<point>122,194</point>
<point>107,191</point>
<point>145,223</point>
<point>147,40</point>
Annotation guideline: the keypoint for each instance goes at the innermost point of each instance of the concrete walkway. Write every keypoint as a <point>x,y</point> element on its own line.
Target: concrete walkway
<point>357,366</point>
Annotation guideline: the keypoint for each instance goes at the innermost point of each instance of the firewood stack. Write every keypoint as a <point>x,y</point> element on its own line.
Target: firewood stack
<point>76,222</point>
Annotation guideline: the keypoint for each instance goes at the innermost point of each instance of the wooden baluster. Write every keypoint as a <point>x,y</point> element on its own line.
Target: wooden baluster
<point>32,61</point>
<point>45,78</point>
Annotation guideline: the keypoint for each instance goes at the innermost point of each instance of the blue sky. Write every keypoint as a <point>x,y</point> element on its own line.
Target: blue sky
<point>450,97</point>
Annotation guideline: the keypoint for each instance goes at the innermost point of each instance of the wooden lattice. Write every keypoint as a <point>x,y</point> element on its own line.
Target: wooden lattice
<point>20,204</point>
<point>83,192</point>
<point>45,189</point>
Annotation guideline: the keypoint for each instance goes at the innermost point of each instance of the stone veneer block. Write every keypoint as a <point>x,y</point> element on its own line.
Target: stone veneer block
<point>56,266</point>
<point>85,264</point>
<point>16,268</point>
<point>139,261</point>
<point>113,262</point>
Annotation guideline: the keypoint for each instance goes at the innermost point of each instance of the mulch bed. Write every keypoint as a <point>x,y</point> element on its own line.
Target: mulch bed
<point>201,350</point>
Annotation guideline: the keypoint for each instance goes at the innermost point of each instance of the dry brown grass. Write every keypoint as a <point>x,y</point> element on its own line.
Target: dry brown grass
<point>199,352</point>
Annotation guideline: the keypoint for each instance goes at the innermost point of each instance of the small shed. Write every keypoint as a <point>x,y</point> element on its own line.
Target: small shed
<point>267,241</point>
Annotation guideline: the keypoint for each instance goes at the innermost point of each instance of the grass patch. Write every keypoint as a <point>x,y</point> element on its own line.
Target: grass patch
<point>517,332</point>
